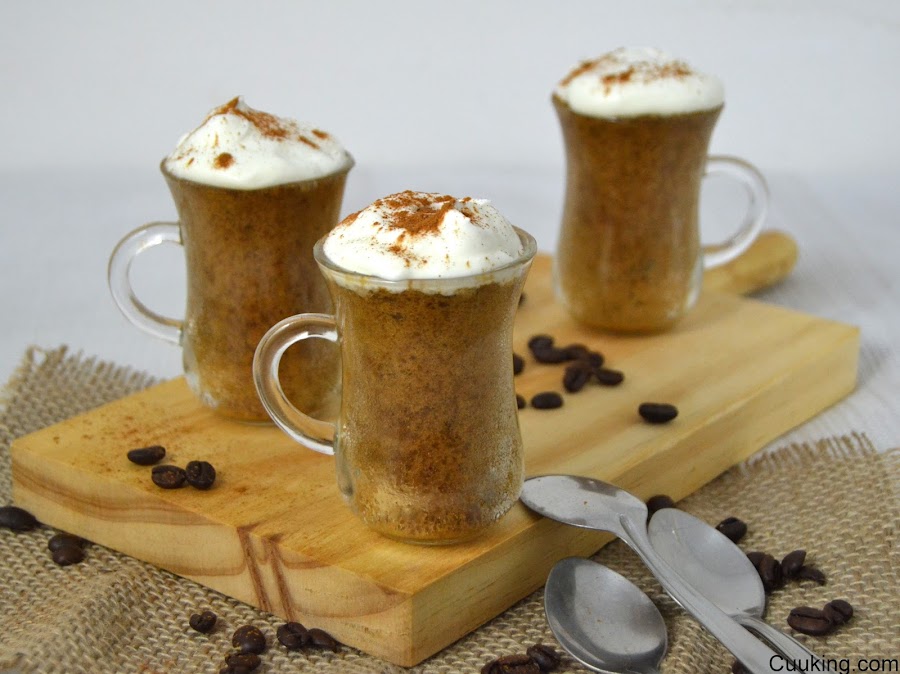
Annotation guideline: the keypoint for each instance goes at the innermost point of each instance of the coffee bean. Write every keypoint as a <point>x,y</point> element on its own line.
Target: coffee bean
<point>807,620</point>
<point>755,559</point>
<point>63,540</point>
<point>292,635</point>
<point>203,622</point>
<point>577,352</point>
<point>520,401</point>
<point>548,400</point>
<point>792,563</point>
<point>67,555</point>
<point>540,342</point>
<point>738,668</point>
<point>838,611</point>
<point>168,476</point>
<point>770,573</point>
<point>659,502</point>
<point>228,669</point>
<point>657,413</point>
<point>733,528</point>
<point>550,355</point>
<point>608,377</point>
<point>512,664</point>
<point>811,573</point>
<point>322,639</point>
<point>200,474</point>
<point>575,377</point>
<point>147,456</point>
<point>518,364</point>
<point>249,639</point>
<point>545,657</point>
<point>17,519</point>
<point>247,661</point>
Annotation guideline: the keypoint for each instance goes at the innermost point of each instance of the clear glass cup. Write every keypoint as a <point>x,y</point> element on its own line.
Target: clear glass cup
<point>629,257</point>
<point>427,442</point>
<point>249,264</point>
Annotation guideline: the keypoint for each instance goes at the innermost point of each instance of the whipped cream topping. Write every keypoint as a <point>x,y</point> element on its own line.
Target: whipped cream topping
<point>634,81</point>
<point>242,148</point>
<point>419,235</point>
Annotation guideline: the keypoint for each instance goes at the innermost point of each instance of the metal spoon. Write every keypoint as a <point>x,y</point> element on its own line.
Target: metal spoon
<point>720,570</point>
<point>602,620</point>
<point>593,504</point>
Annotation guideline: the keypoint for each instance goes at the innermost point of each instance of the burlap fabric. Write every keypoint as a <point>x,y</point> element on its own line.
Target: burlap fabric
<point>836,498</point>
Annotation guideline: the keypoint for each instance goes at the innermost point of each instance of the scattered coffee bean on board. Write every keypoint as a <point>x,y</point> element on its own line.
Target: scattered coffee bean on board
<point>147,456</point>
<point>811,573</point>
<point>249,639</point>
<point>540,342</point>
<point>512,664</point>
<point>657,413</point>
<point>292,635</point>
<point>17,519</point>
<point>203,622</point>
<point>520,401</point>
<point>322,639</point>
<point>545,657</point>
<point>168,476</point>
<point>518,364</point>
<point>548,400</point>
<point>608,377</point>
<point>68,555</point>
<point>577,352</point>
<point>550,356</point>
<point>733,528</point>
<point>792,563</point>
<point>246,661</point>
<point>838,611</point>
<point>808,620</point>
<point>65,540</point>
<point>200,474</point>
<point>770,573</point>
<point>659,502</point>
<point>575,377</point>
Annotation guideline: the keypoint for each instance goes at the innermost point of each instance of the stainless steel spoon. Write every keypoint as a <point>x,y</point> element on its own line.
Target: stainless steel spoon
<point>603,620</point>
<point>593,504</point>
<point>720,570</point>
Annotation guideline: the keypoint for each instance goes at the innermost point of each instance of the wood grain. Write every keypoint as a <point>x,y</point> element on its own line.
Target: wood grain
<point>275,533</point>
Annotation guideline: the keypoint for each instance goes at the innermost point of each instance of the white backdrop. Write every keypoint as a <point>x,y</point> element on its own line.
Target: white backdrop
<point>437,96</point>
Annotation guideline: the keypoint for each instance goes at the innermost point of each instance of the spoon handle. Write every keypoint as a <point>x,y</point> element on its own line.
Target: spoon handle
<point>756,657</point>
<point>792,650</point>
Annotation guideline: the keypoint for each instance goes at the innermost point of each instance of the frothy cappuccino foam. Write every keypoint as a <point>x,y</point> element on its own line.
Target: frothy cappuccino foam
<point>634,81</point>
<point>419,235</point>
<point>242,148</point>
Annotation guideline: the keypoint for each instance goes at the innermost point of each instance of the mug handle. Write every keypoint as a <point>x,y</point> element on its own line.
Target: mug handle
<point>312,433</point>
<point>123,255</point>
<point>718,254</point>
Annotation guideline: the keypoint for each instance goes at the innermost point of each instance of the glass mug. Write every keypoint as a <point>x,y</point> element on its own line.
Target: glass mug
<point>427,443</point>
<point>629,257</point>
<point>248,265</point>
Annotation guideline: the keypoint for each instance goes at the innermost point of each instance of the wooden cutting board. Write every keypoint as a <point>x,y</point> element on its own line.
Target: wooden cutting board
<point>275,533</point>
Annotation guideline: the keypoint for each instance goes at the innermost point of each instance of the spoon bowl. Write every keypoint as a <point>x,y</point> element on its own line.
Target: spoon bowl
<point>602,620</point>
<point>721,572</point>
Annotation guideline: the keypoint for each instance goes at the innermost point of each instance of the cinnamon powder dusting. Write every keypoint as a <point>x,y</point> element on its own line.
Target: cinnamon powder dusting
<point>223,161</point>
<point>268,125</point>
<point>304,139</point>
